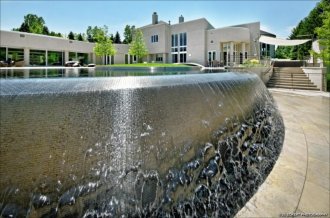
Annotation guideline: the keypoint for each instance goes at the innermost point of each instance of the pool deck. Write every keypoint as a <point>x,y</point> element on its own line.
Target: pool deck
<point>298,185</point>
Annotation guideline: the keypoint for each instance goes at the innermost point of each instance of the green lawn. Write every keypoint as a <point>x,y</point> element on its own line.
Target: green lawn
<point>146,65</point>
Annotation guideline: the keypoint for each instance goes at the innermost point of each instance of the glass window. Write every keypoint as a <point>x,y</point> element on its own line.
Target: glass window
<point>183,39</point>
<point>72,56</point>
<point>176,40</point>
<point>15,54</point>
<point>82,58</point>
<point>38,57</point>
<point>183,58</point>
<point>154,38</point>
<point>3,54</point>
<point>55,58</point>
<point>174,58</point>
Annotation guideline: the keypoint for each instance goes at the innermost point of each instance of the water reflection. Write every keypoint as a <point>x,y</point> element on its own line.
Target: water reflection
<point>82,72</point>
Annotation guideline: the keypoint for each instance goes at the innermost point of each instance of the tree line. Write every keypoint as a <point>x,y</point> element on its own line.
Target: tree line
<point>314,26</point>
<point>35,24</point>
<point>98,35</point>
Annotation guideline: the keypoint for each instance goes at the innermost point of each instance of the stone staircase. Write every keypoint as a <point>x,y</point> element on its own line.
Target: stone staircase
<point>290,78</point>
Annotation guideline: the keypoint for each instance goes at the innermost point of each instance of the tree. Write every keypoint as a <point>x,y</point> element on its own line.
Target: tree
<point>305,29</point>
<point>94,34</point>
<point>103,46</point>
<point>117,39</point>
<point>138,46</point>
<point>80,37</point>
<point>32,24</point>
<point>323,33</point>
<point>128,34</point>
<point>112,38</point>
<point>71,35</point>
<point>45,31</point>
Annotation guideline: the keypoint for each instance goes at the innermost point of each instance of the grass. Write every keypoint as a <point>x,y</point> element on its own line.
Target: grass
<point>146,65</point>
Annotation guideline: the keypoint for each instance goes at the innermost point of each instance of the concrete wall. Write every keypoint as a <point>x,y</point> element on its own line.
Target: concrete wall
<point>227,34</point>
<point>317,75</point>
<point>14,39</point>
<point>29,41</point>
<point>196,38</point>
<point>163,44</point>
<point>254,36</point>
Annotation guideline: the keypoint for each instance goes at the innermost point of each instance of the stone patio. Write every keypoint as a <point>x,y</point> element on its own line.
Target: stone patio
<point>298,185</point>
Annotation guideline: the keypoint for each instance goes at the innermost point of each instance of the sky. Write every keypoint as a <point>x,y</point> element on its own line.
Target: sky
<point>278,17</point>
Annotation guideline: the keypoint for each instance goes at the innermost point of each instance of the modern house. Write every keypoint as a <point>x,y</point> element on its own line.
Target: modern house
<point>194,41</point>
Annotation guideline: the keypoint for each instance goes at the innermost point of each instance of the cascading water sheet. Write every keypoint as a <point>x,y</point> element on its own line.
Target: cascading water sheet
<point>168,146</point>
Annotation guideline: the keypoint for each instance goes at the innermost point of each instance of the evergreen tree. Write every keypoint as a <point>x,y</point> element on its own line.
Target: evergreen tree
<point>117,39</point>
<point>80,37</point>
<point>71,35</point>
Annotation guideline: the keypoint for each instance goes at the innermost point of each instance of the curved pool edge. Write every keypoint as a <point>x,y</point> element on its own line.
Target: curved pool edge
<point>245,123</point>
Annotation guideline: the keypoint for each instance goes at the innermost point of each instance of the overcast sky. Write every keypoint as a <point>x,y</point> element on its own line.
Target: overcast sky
<point>278,17</point>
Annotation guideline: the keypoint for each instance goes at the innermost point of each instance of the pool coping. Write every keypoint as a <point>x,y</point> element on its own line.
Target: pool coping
<point>292,189</point>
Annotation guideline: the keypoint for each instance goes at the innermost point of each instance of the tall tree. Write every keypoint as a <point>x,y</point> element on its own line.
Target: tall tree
<point>305,29</point>
<point>103,46</point>
<point>324,38</point>
<point>32,24</point>
<point>138,46</point>
<point>71,35</point>
<point>128,34</point>
<point>117,39</point>
<point>95,34</point>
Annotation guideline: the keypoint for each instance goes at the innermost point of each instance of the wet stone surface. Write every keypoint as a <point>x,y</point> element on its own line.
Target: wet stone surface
<point>211,178</point>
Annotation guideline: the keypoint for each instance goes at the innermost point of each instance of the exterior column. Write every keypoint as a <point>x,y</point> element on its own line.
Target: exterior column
<point>66,56</point>
<point>26,56</point>
<point>243,50</point>
<point>94,58</point>
<point>46,57</point>
<point>128,58</point>
<point>231,52</point>
<point>164,58</point>
<point>7,54</point>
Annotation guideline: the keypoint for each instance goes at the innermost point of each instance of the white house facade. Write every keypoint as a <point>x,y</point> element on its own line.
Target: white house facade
<point>195,41</point>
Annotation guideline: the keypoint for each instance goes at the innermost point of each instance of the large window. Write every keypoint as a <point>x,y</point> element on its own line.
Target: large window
<point>3,54</point>
<point>55,58</point>
<point>15,54</point>
<point>82,58</point>
<point>72,56</point>
<point>154,38</point>
<point>179,47</point>
<point>38,57</point>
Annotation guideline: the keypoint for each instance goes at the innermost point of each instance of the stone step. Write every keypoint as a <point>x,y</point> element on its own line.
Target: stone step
<point>289,79</point>
<point>289,76</point>
<point>289,73</point>
<point>293,84</point>
<point>293,87</point>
